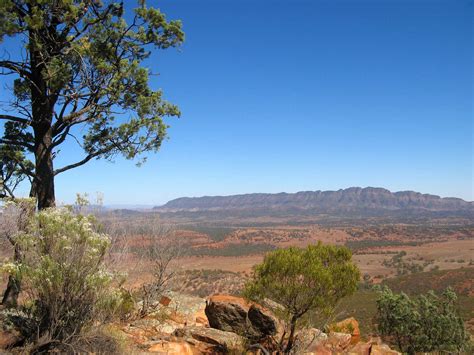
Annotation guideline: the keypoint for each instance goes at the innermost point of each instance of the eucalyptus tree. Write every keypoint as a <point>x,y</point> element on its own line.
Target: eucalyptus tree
<point>303,281</point>
<point>79,75</point>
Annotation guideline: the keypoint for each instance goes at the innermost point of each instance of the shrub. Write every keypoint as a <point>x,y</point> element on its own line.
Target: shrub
<point>426,323</point>
<point>66,285</point>
<point>303,280</point>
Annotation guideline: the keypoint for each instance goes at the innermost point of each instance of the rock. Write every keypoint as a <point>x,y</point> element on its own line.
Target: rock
<point>180,308</point>
<point>349,326</point>
<point>319,349</point>
<point>262,321</point>
<point>201,318</point>
<point>360,349</point>
<point>338,341</point>
<point>382,349</point>
<point>172,348</point>
<point>308,340</point>
<point>165,301</point>
<point>228,313</point>
<point>215,337</point>
<point>8,338</point>
<point>235,314</point>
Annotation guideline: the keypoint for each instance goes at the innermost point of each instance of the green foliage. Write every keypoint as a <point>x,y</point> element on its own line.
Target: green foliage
<point>83,73</point>
<point>14,168</point>
<point>239,249</point>
<point>426,323</point>
<point>62,271</point>
<point>303,280</point>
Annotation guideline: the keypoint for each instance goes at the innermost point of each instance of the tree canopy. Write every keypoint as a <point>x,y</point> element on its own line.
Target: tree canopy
<point>426,323</point>
<point>80,76</point>
<point>304,280</point>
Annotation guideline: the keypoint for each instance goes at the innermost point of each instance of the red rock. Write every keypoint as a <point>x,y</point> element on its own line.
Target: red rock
<point>235,314</point>
<point>172,348</point>
<point>349,326</point>
<point>360,349</point>
<point>9,339</point>
<point>383,350</point>
<point>165,301</point>
<point>338,341</point>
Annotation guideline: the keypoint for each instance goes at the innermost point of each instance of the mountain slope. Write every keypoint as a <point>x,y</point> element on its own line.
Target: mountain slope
<point>354,198</point>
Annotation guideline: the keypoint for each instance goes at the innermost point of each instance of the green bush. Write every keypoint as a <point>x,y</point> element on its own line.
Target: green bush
<point>426,323</point>
<point>63,276</point>
<point>302,281</point>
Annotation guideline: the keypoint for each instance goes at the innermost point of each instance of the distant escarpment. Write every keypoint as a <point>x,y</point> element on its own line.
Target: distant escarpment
<point>352,200</point>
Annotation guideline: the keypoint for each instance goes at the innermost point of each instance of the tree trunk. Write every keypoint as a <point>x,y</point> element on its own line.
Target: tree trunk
<point>42,108</point>
<point>10,296</point>
<point>43,182</point>
<point>291,338</point>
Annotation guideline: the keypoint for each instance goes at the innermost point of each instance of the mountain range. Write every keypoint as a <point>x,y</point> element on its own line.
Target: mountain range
<point>344,200</point>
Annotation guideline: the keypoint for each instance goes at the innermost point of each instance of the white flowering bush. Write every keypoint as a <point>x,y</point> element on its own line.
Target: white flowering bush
<point>63,275</point>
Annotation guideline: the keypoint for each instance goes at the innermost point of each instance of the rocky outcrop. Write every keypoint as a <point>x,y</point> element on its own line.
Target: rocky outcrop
<point>191,325</point>
<point>310,340</point>
<point>235,314</point>
<point>349,326</point>
<point>228,313</point>
<point>262,321</point>
<point>220,339</point>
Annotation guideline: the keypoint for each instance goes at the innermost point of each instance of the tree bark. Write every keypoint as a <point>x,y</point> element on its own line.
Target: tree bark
<point>10,296</point>
<point>291,338</point>
<point>43,182</point>
<point>42,107</point>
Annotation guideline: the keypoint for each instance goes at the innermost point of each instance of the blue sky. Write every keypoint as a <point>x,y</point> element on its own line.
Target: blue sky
<point>305,95</point>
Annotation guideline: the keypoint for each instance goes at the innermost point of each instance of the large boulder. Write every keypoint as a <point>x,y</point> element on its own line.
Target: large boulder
<point>263,322</point>
<point>183,309</point>
<point>235,314</point>
<point>228,313</point>
<point>220,339</point>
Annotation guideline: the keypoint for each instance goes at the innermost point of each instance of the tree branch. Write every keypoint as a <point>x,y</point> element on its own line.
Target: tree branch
<point>14,119</point>
<point>7,64</point>
<point>17,143</point>
<point>82,162</point>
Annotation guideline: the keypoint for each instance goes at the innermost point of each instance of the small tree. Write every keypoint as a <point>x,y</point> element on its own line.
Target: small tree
<point>304,280</point>
<point>426,323</point>
<point>161,249</point>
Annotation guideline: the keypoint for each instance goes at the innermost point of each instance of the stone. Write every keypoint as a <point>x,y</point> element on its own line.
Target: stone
<point>263,322</point>
<point>228,313</point>
<point>339,341</point>
<point>308,340</point>
<point>165,301</point>
<point>181,308</point>
<point>349,326</point>
<point>382,349</point>
<point>9,338</point>
<point>172,348</point>
<point>235,314</point>
<point>319,349</point>
<point>360,349</point>
<point>215,337</point>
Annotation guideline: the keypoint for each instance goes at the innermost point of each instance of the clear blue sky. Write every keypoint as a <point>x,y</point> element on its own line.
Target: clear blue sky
<point>306,95</point>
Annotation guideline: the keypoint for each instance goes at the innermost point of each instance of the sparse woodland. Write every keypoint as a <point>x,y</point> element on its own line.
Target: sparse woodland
<point>68,284</point>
